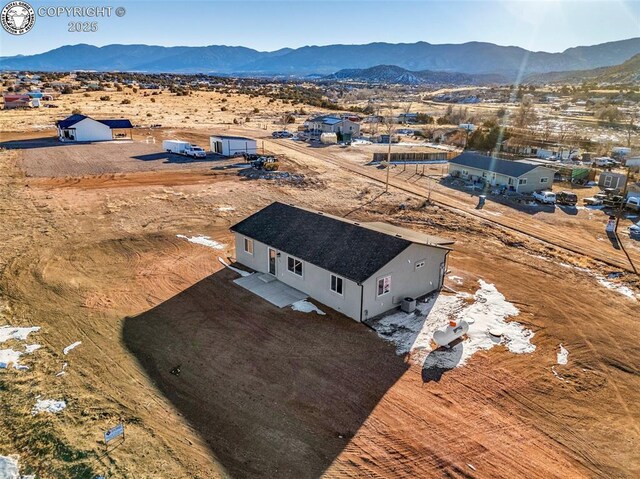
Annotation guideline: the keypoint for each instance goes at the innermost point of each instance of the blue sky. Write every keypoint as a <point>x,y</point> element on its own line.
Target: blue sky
<point>549,25</point>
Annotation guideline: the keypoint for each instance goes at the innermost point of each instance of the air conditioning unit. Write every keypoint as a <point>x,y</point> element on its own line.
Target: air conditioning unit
<point>408,305</point>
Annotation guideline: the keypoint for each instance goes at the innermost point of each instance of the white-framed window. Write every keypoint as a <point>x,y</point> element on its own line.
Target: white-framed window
<point>383,285</point>
<point>294,265</point>
<point>248,245</point>
<point>510,181</point>
<point>607,181</point>
<point>544,180</point>
<point>337,284</point>
<point>420,264</point>
<point>522,181</point>
<point>465,172</point>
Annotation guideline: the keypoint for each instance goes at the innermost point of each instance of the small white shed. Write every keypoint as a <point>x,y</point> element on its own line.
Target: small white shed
<point>233,145</point>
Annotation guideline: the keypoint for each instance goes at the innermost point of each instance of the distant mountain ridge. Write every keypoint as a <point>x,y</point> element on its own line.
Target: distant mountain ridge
<point>470,58</point>
<point>626,73</point>
<point>391,74</point>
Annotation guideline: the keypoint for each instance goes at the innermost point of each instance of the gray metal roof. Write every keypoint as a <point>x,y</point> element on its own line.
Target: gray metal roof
<point>511,168</point>
<point>347,248</point>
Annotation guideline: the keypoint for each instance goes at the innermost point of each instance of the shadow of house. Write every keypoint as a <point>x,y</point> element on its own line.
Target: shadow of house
<point>274,392</point>
<point>32,143</point>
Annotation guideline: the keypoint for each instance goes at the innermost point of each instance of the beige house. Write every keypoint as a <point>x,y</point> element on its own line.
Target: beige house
<point>359,269</point>
<point>333,124</point>
<point>520,176</point>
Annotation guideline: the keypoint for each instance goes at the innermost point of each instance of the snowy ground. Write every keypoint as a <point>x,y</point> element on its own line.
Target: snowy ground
<point>11,356</point>
<point>48,405</point>
<point>306,307</point>
<point>486,310</point>
<point>239,271</point>
<point>203,240</point>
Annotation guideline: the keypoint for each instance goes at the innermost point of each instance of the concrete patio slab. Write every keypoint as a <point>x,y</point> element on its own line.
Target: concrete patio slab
<point>269,288</point>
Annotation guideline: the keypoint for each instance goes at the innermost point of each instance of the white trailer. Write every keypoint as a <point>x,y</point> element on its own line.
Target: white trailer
<point>183,148</point>
<point>233,145</point>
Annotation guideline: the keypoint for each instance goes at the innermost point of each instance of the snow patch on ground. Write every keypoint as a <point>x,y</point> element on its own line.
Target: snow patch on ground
<point>12,356</point>
<point>455,279</point>
<point>488,310</point>
<point>71,346</point>
<point>620,288</point>
<point>563,355</point>
<point>20,334</point>
<point>617,287</point>
<point>239,271</point>
<point>226,208</point>
<point>306,307</point>
<point>9,467</point>
<point>203,240</point>
<point>48,405</point>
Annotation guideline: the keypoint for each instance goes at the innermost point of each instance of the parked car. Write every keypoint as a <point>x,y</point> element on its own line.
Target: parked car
<point>567,198</point>
<point>593,201</point>
<point>634,230</point>
<point>545,197</point>
<point>633,203</point>
<point>281,134</point>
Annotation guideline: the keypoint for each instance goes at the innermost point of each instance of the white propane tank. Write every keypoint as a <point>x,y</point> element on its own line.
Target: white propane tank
<point>455,330</point>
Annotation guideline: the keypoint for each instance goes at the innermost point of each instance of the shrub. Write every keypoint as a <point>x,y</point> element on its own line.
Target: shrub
<point>255,110</point>
<point>126,101</point>
<point>224,108</point>
<point>76,111</point>
<point>153,100</point>
<point>86,95</point>
<point>105,98</point>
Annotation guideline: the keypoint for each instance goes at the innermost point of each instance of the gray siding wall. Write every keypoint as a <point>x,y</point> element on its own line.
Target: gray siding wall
<point>315,281</point>
<point>406,280</point>
<point>533,178</point>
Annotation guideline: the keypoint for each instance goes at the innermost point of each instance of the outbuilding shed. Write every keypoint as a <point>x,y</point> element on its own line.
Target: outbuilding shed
<point>360,269</point>
<point>232,145</point>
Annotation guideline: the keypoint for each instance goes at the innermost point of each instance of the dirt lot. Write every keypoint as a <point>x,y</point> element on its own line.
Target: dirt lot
<point>264,392</point>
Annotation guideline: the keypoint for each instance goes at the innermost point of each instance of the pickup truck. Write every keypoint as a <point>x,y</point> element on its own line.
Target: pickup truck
<point>567,198</point>
<point>633,203</point>
<point>545,197</point>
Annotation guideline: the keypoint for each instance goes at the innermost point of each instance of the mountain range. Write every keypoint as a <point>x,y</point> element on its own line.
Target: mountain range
<point>391,74</point>
<point>469,58</point>
<point>626,73</point>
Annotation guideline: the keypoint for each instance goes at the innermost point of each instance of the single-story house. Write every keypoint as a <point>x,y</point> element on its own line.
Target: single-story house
<point>17,100</point>
<point>520,176</point>
<point>232,145</point>
<point>608,179</point>
<point>83,128</point>
<point>360,269</point>
<point>333,124</point>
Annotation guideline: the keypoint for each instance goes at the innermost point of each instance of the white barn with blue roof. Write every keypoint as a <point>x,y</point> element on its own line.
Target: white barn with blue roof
<point>520,176</point>
<point>84,128</point>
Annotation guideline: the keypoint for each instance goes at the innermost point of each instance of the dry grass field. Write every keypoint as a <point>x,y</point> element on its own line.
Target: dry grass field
<point>90,254</point>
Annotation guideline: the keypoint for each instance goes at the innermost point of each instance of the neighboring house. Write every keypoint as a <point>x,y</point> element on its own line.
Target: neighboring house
<point>609,179</point>
<point>633,190</point>
<point>17,100</point>
<point>333,124</point>
<point>359,269</point>
<point>520,176</point>
<point>538,148</point>
<point>232,145</point>
<point>83,128</point>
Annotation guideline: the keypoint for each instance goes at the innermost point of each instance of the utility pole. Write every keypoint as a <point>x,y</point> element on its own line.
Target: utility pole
<point>624,197</point>
<point>386,188</point>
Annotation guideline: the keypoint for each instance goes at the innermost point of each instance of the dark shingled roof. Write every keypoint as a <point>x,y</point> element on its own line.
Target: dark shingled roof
<point>495,165</point>
<point>337,245</point>
<point>113,124</point>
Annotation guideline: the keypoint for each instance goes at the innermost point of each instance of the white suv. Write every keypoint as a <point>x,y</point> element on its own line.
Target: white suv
<point>546,197</point>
